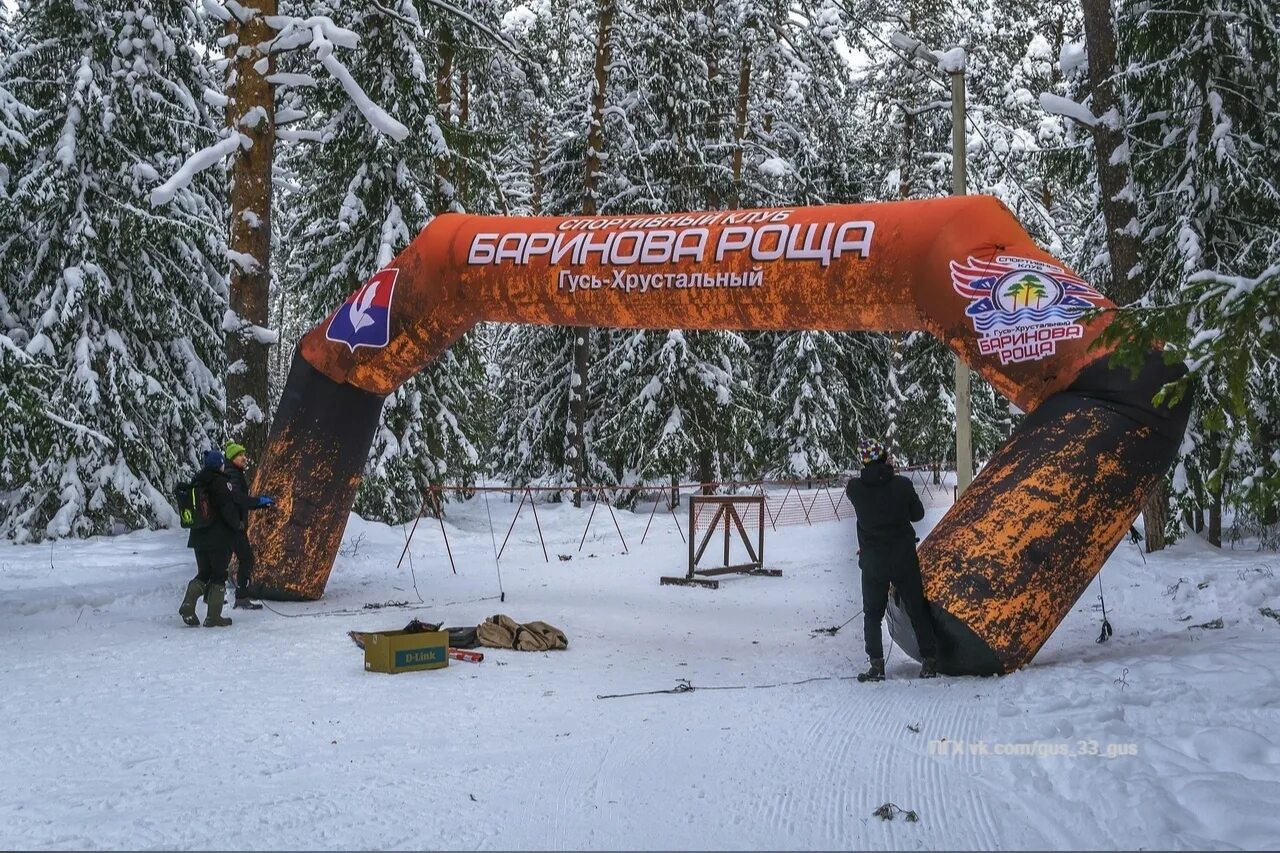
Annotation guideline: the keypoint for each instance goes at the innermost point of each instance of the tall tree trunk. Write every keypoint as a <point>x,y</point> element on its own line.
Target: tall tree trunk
<point>1215,489</point>
<point>908,154</point>
<point>578,382</point>
<point>1057,27</point>
<point>897,341</point>
<point>1155,516</point>
<point>444,103</point>
<point>740,122</point>
<point>1119,208</point>
<point>464,118</point>
<point>1115,184</point>
<point>538,144</point>
<point>706,470</point>
<point>250,110</point>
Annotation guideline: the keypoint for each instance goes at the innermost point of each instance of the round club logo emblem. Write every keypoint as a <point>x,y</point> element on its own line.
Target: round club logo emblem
<point>1025,290</point>
<point>1022,308</point>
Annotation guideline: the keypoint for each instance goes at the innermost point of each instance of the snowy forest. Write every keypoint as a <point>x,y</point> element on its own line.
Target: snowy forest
<point>187,186</point>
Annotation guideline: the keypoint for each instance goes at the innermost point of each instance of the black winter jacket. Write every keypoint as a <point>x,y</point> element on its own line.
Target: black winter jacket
<point>220,534</point>
<point>886,505</point>
<point>240,494</point>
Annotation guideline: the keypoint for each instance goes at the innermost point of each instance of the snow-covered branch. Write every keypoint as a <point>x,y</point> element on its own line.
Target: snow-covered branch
<point>376,115</point>
<point>498,39</point>
<point>79,429</point>
<point>233,322</point>
<point>322,35</point>
<point>1060,106</point>
<point>196,164</point>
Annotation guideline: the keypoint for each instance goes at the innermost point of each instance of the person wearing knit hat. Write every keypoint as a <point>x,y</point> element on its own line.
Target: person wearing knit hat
<point>886,504</point>
<point>211,540</point>
<point>237,461</point>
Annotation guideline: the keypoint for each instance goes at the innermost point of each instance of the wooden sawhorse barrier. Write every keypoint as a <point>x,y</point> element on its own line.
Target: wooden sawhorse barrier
<point>726,515</point>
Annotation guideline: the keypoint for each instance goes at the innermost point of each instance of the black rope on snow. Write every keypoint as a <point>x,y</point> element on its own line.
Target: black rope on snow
<point>684,685</point>
<point>835,629</point>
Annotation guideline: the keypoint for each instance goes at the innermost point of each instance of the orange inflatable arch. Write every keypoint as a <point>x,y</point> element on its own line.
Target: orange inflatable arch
<point>1005,564</point>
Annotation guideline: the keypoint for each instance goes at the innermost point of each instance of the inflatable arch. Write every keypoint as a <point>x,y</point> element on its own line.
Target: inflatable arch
<point>1006,563</point>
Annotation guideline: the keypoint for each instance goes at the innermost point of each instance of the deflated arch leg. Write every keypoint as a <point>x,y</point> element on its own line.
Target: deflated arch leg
<point>1010,559</point>
<point>320,438</point>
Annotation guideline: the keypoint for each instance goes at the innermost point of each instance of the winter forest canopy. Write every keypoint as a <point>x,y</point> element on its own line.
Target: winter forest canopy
<point>186,186</point>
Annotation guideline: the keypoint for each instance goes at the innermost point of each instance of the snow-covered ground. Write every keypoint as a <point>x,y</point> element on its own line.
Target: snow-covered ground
<point>124,728</point>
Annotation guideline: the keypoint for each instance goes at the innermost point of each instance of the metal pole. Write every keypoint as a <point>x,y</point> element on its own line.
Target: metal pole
<point>964,422</point>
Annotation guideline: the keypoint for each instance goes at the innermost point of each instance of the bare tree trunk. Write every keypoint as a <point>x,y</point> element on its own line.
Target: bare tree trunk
<point>444,103</point>
<point>251,111</point>
<point>1058,29</point>
<point>578,382</point>
<point>740,123</point>
<point>896,341</point>
<point>539,147</point>
<point>1215,491</point>
<point>1155,515</point>
<point>1119,208</point>
<point>908,152</point>
<point>464,117</point>
<point>706,470</point>
<point>444,73</point>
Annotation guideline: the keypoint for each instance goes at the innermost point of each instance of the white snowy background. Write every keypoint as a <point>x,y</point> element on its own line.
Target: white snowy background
<point>124,728</point>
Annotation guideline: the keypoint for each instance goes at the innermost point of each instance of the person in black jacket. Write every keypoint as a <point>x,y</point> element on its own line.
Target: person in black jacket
<point>886,504</point>
<point>212,544</point>
<point>237,462</point>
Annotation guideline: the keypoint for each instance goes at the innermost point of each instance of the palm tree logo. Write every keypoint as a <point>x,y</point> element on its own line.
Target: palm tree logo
<point>1027,288</point>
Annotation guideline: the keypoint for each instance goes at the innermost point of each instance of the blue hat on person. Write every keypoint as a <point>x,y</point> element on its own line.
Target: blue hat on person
<point>214,459</point>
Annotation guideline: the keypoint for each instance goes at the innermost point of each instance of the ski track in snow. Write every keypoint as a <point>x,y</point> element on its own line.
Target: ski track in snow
<point>123,728</point>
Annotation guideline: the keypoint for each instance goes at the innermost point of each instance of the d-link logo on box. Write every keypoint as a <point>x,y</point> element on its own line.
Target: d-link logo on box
<point>417,657</point>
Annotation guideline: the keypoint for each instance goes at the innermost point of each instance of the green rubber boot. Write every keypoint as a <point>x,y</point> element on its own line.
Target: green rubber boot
<point>195,589</point>
<point>216,596</point>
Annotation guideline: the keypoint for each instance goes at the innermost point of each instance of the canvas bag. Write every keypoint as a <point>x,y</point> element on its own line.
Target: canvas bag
<point>503,632</point>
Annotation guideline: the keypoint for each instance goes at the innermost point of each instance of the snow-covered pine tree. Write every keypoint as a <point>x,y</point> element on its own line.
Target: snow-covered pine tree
<point>795,115</point>
<point>361,197</point>
<point>1203,107</point>
<point>910,147</point>
<point>809,402</point>
<point>1013,48</point>
<point>123,303</point>
<point>927,422</point>
<point>909,105</point>
<point>15,378</point>
<point>801,142</point>
<point>15,116</point>
<point>552,442</point>
<point>680,406</point>
<point>671,97</point>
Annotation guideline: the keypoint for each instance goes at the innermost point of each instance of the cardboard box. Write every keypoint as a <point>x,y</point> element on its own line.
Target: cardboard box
<point>405,651</point>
